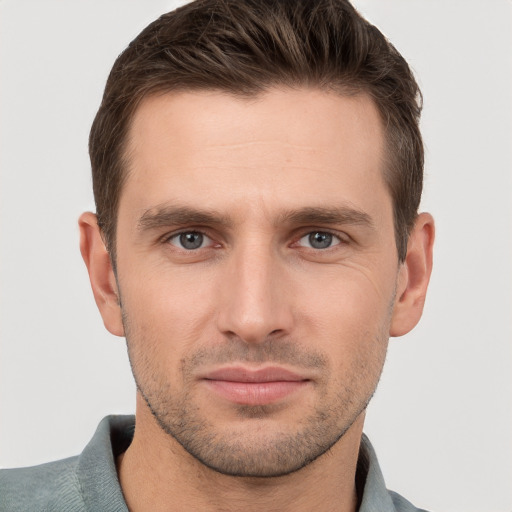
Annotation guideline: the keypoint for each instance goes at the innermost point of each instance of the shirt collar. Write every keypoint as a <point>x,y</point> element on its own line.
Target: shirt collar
<point>374,497</point>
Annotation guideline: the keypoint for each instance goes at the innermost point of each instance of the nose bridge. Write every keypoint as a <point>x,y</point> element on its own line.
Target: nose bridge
<point>253,305</point>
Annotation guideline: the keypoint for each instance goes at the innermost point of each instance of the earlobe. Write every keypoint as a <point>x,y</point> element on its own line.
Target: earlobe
<point>101,274</point>
<point>414,276</point>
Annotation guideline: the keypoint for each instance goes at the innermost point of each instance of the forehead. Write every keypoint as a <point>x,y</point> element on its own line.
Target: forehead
<point>297,146</point>
<point>289,116</point>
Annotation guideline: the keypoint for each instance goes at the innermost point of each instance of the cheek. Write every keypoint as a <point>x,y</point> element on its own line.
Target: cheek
<point>347,301</point>
<point>348,319</point>
<point>167,312</point>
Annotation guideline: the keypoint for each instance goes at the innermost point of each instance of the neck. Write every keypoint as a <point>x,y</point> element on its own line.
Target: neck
<point>157,474</point>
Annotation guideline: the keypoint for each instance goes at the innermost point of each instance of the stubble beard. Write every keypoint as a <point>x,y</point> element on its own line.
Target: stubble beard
<point>257,451</point>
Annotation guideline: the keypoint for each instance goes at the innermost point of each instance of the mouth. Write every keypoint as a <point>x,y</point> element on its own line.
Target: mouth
<point>262,386</point>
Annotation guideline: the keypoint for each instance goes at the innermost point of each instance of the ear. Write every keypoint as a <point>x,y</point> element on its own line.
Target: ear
<point>101,274</point>
<point>413,277</point>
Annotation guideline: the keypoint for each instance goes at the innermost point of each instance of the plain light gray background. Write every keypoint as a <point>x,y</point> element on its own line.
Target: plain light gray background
<point>441,420</point>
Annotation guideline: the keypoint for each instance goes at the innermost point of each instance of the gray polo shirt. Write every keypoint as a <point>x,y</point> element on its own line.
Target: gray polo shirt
<point>88,482</point>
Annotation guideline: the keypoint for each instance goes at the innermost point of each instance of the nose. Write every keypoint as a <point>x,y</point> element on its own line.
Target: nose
<point>253,299</point>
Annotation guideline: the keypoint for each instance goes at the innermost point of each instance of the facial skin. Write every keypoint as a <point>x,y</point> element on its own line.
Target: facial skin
<point>255,243</point>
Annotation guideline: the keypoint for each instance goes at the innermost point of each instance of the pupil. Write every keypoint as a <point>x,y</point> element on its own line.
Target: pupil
<point>320,240</point>
<point>191,240</point>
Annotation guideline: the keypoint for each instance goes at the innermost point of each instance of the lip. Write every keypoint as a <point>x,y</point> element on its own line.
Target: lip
<point>242,374</point>
<point>254,387</point>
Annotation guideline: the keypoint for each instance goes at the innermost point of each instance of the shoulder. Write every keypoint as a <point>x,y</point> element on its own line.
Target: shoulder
<point>402,505</point>
<point>85,482</point>
<point>47,487</point>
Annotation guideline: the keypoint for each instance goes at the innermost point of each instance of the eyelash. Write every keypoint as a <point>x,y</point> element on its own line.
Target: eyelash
<point>167,239</point>
<point>342,238</point>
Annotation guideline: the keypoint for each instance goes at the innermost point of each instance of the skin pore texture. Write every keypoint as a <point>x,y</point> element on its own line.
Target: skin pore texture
<point>257,286</point>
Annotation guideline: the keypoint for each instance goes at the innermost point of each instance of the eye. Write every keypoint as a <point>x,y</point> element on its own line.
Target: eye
<point>190,240</point>
<point>319,240</point>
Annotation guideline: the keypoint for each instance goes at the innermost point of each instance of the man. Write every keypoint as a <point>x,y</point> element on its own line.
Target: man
<point>257,170</point>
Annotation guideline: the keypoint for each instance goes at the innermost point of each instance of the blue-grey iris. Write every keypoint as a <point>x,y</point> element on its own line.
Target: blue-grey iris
<point>320,240</point>
<point>191,240</point>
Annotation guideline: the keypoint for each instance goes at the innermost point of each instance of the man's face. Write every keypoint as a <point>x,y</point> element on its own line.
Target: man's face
<point>257,271</point>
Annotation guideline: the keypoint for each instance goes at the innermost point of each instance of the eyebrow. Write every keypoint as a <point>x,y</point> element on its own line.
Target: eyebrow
<point>162,216</point>
<point>168,215</point>
<point>328,215</point>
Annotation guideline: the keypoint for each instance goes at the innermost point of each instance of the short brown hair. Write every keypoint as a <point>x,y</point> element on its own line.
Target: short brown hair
<point>245,47</point>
